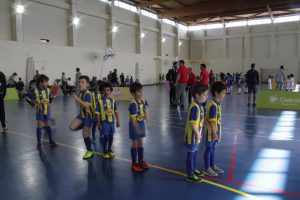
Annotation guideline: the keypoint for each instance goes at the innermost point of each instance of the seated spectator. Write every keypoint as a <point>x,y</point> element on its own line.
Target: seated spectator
<point>11,80</point>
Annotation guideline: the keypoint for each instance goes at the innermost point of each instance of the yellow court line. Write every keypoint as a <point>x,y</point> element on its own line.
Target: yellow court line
<point>153,166</point>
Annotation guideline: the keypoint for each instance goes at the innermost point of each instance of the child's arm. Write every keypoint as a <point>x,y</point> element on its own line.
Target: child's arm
<point>194,128</point>
<point>212,128</point>
<point>136,126</point>
<point>117,118</point>
<point>99,123</point>
<point>82,103</point>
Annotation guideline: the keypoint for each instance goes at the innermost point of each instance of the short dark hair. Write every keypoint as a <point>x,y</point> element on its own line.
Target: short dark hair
<point>41,78</point>
<point>15,74</point>
<point>20,79</point>
<point>281,67</point>
<point>85,78</point>
<point>106,85</point>
<point>181,62</point>
<point>252,65</point>
<point>198,89</point>
<point>217,87</point>
<point>134,87</point>
<point>175,63</point>
<point>77,69</point>
<point>203,65</point>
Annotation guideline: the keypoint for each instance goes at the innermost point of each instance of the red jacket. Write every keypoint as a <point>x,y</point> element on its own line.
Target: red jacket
<point>192,79</point>
<point>204,77</point>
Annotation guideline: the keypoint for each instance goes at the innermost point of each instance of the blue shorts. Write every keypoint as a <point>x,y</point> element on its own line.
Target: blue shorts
<point>87,122</point>
<point>133,135</point>
<point>212,144</point>
<point>108,128</point>
<point>42,117</point>
<point>192,147</point>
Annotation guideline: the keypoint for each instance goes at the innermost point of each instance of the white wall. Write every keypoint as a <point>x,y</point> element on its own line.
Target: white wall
<point>125,38</point>
<point>234,51</point>
<point>149,46</point>
<point>5,20</point>
<point>42,21</point>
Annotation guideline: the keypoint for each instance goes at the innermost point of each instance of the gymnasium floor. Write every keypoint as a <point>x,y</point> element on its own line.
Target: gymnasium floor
<point>259,153</point>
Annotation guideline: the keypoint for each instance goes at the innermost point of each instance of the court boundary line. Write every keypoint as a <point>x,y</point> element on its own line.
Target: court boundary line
<point>236,191</point>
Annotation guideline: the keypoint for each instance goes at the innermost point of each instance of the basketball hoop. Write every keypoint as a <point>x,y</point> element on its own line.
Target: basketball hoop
<point>109,53</point>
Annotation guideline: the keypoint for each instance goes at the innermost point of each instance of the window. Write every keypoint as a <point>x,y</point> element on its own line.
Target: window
<point>125,6</point>
<point>287,19</point>
<point>183,27</point>
<point>236,24</point>
<point>167,21</point>
<point>259,21</point>
<point>149,14</point>
<point>213,26</point>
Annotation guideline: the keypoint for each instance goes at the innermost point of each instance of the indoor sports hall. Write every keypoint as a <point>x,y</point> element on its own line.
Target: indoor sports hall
<point>149,99</point>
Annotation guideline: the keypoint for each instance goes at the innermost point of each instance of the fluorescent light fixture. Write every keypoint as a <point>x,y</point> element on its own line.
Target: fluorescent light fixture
<point>20,9</point>
<point>76,21</point>
<point>163,39</point>
<point>142,35</point>
<point>114,29</point>
<point>180,43</point>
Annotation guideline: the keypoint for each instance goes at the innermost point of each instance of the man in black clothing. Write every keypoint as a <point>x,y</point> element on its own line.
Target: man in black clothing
<point>252,80</point>
<point>122,79</point>
<point>2,96</point>
<point>171,77</point>
<point>114,78</point>
<point>19,87</point>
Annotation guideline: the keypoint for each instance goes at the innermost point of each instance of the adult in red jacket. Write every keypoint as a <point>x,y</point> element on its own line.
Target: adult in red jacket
<point>181,82</point>
<point>190,84</point>
<point>204,76</point>
<point>211,78</point>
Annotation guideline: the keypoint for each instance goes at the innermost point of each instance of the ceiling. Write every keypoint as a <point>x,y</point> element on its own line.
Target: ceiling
<point>192,12</point>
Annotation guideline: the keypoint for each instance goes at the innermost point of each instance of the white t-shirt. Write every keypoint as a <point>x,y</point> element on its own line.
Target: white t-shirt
<point>270,84</point>
<point>291,84</point>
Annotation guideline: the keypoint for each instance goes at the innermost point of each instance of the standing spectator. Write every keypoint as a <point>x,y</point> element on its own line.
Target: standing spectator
<point>122,79</point>
<point>280,78</point>
<point>222,76</point>
<point>171,77</point>
<point>190,84</point>
<point>114,78</point>
<point>64,83</point>
<point>19,87</point>
<point>78,74</point>
<point>109,76</point>
<point>204,76</point>
<point>211,78</point>
<point>131,80</point>
<point>252,80</point>
<point>2,96</point>
<point>181,82</point>
<point>11,80</point>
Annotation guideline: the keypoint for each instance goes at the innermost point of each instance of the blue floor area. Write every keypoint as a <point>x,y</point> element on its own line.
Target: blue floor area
<point>259,153</point>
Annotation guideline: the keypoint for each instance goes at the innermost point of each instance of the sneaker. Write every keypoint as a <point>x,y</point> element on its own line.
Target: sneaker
<point>136,167</point>
<point>218,170</point>
<point>105,155</point>
<point>111,154</point>
<point>193,178</point>
<point>39,147</point>
<point>5,128</point>
<point>198,173</point>
<point>52,144</point>
<point>88,154</point>
<point>254,105</point>
<point>144,165</point>
<point>210,172</point>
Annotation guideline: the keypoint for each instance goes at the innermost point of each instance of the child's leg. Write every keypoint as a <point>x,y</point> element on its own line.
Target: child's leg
<point>110,141</point>
<point>134,151</point>
<point>140,150</point>
<point>207,155</point>
<point>94,130</point>
<point>75,125</point>
<point>212,156</point>
<point>190,163</point>
<point>39,131</point>
<point>195,160</point>
<point>104,143</point>
<point>48,130</point>
<point>86,137</point>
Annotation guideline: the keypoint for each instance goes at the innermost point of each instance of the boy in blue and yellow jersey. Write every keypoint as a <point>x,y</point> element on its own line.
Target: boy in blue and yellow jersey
<point>106,111</point>
<point>213,135</point>
<point>192,137</point>
<point>138,113</point>
<point>96,95</point>
<point>42,97</point>
<point>84,120</point>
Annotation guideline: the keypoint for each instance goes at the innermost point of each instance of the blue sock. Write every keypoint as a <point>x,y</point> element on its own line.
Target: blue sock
<point>189,163</point>
<point>140,151</point>
<point>212,158</point>
<point>94,130</point>
<point>110,141</point>
<point>195,160</point>
<point>104,143</point>
<point>133,155</point>
<point>88,143</point>
<point>49,132</point>
<point>207,154</point>
<point>38,134</point>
